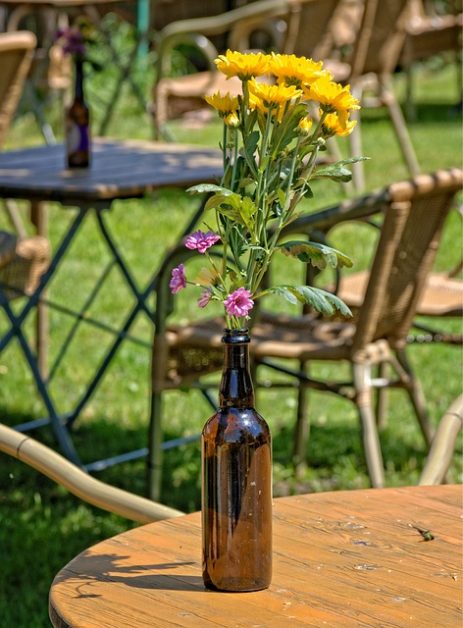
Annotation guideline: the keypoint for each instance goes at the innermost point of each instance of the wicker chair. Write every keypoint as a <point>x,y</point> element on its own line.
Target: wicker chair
<point>283,20</point>
<point>97,493</point>
<point>403,260</point>
<point>443,445</point>
<point>22,259</point>
<point>375,55</point>
<point>429,34</point>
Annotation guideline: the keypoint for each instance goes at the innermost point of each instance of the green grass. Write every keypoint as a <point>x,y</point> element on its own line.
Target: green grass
<point>41,525</point>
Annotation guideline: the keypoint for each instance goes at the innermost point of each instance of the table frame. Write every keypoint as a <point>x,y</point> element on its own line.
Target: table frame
<point>62,424</point>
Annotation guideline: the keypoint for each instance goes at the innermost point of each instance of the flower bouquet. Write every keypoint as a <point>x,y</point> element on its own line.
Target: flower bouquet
<point>272,135</point>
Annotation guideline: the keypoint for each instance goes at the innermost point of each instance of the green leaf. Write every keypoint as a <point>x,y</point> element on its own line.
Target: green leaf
<point>216,201</point>
<point>284,292</point>
<point>208,187</point>
<point>319,255</point>
<point>320,300</point>
<point>251,142</point>
<point>337,171</point>
<point>247,210</point>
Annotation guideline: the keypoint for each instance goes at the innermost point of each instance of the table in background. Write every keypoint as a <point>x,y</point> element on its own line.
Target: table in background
<point>120,170</point>
<point>340,559</point>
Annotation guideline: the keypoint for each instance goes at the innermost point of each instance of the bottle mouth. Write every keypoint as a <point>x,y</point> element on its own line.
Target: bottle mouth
<point>236,336</point>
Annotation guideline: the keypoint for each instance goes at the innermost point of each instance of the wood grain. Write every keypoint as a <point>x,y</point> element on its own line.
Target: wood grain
<point>120,169</point>
<point>346,558</point>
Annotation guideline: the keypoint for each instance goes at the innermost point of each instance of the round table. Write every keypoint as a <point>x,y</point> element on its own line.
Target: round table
<point>379,557</point>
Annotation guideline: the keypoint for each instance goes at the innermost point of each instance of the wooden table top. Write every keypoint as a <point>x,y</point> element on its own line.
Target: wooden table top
<point>120,169</point>
<point>350,558</point>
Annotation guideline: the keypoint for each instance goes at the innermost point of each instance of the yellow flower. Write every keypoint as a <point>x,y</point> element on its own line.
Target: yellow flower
<point>232,120</point>
<point>273,94</point>
<point>243,65</point>
<point>294,70</point>
<point>332,126</point>
<point>333,98</point>
<point>223,103</point>
<point>304,126</point>
<point>264,97</point>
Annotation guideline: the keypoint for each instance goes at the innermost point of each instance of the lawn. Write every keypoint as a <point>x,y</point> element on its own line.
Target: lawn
<point>41,525</point>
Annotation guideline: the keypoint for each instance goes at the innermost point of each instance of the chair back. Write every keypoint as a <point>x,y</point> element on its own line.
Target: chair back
<point>307,26</point>
<point>414,216</point>
<point>380,38</point>
<point>16,52</point>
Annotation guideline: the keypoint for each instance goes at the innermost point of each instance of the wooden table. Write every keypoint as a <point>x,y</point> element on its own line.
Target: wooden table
<point>120,170</point>
<point>350,558</point>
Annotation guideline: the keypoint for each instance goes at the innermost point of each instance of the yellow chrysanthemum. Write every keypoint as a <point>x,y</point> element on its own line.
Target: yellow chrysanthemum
<point>223,103</point>
<point>332,125</point>
<point>293,70</point>
<point>232,120</point>
<point>273,95</point>
<point>243,65</point>
<point>304,126</point>
<point>263,97</point>
<point>333,98</point>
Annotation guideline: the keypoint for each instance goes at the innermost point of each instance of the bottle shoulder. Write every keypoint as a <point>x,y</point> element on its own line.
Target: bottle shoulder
<point>236,425</point>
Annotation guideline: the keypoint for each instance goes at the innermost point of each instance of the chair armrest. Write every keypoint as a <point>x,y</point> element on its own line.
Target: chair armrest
<point>325,219</point>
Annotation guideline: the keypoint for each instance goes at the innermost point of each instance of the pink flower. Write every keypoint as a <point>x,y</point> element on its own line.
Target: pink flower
<point>178,279</point>
<point>201,241</point>
<point>204,298</point>
<point>239,302</point>
<point>71,40</point>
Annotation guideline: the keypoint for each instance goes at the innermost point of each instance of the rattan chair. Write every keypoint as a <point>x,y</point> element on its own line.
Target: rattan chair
<point>22,259</point>
<point>414,213</point>
<point>375,55</point>
<point>284,21</point>
<point>76,481</point>
<point>16,54</point>
<point>443,445</point>
<point>429,34</point>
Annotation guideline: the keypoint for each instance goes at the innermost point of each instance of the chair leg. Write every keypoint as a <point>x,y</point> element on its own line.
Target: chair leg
<point>39,219</point>
<point>154,463</point>
<point>382,398</point>
<point>302,427</point>
<point>400,126</point>
<point>415,392</point>
<point>371,445</point>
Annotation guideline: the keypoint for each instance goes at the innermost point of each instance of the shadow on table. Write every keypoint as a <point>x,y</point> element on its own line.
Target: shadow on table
<point>92,568</point>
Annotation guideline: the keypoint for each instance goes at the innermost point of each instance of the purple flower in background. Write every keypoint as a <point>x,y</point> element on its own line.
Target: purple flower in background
<point>71,40</point>
<point>201,240</point>
<point>239,302</point>
<point>204,298</point>
<point>178,279</point>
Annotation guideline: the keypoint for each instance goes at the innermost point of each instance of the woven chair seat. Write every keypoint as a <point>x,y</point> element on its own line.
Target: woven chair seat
<point>442,296</point>
<point>199,346</point>
<point>23,265</point>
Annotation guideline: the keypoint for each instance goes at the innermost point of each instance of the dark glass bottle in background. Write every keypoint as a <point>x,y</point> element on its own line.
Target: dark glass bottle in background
<point>236,481</point>
<point>77,124</point>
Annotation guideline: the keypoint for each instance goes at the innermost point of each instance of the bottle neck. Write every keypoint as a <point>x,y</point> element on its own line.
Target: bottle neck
<point>79,80</point>
<point>236,388</point>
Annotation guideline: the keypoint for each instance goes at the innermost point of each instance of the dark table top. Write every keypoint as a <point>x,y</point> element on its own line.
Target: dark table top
<point>120,169</point>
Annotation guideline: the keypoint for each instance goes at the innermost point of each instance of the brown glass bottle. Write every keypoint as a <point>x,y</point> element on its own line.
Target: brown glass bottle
<point>236,481</point>
<point>77,124</point>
